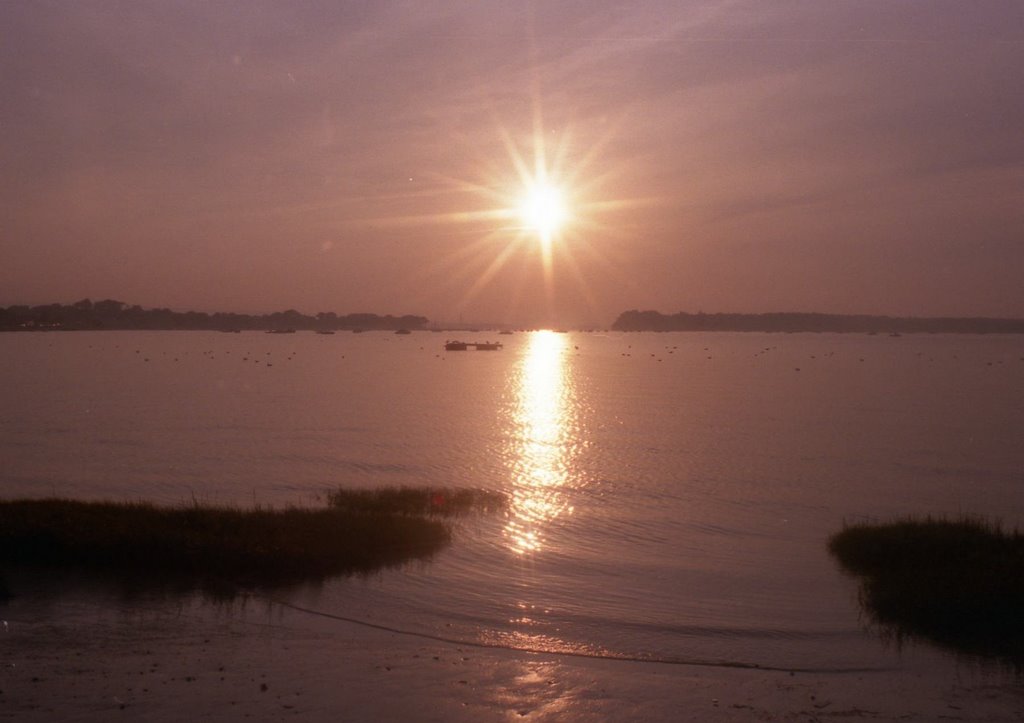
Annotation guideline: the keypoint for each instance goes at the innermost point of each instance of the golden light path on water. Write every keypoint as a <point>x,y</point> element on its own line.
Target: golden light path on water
<point>545,441</point>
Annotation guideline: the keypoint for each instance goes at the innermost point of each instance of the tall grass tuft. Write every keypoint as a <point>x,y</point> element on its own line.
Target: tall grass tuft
<point>959,583</point>
<point>439,501</point>
<point>212,545</point>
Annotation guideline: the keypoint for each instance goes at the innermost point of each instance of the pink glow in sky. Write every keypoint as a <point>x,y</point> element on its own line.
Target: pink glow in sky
<point>843,156</point>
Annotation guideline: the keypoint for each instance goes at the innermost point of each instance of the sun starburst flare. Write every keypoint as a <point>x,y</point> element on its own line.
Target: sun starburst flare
<point>543,210</point>
<point>543,207</point>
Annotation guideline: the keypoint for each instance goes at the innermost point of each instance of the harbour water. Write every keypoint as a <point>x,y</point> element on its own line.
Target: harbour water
<point>671,494</point>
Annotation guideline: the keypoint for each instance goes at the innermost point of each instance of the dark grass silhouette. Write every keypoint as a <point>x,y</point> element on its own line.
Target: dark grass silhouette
<point>220,549</point>
<point>417,501</point>
<point>957,583</point>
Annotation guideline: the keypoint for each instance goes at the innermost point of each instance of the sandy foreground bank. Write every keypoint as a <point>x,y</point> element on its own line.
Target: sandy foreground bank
<point>92,661</point>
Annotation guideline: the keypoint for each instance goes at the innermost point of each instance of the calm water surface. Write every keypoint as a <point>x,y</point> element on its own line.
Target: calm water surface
<point>671,493</point>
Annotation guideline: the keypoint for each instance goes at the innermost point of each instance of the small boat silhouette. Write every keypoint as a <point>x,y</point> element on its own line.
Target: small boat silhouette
<point>478,345</point>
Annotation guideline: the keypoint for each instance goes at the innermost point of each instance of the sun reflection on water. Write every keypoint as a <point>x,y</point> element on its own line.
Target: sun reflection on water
<point>545,441</point>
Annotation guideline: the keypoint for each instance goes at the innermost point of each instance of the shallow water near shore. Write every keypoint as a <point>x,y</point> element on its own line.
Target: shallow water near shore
<point>671,494</point>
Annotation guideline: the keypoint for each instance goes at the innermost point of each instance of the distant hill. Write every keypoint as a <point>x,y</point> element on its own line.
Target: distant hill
<point>110,314</point>
<point>801,322</point>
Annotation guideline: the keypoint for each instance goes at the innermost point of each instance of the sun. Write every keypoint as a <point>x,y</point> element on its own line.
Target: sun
<point>543,210</point>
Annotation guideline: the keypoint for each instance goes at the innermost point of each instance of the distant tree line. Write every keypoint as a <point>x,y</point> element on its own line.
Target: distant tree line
<point>110,314</point>
<point>801,322</point>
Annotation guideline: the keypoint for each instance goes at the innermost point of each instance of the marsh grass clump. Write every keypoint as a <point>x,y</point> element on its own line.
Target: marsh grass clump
<point>211,545</point>
<point>959,583</point>
<point>440,501</point>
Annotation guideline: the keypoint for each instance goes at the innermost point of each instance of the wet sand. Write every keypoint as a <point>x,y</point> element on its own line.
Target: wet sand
<point>87,662</point>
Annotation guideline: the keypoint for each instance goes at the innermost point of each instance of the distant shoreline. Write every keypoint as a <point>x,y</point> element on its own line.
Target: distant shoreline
<point>812,322</point>
<point>112,315</point>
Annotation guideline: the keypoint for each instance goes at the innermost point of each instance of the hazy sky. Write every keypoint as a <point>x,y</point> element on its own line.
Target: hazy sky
<point>840,156</point>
